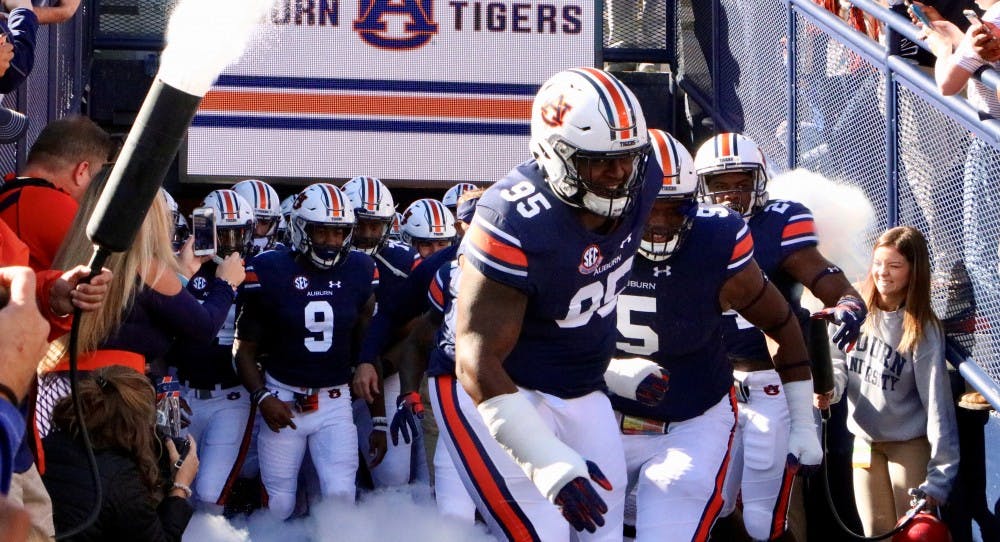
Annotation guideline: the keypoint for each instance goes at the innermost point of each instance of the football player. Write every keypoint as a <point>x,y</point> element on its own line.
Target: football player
<point>266,212</point>
<point>549,249</point>
<point>396,233</point>
<point>306,310</point>
<point>428,226</point>
<point>675,400</point>
<point>732,172</point>
<point>181,229</point>
<point>374,210</point>
<point>222,420</point>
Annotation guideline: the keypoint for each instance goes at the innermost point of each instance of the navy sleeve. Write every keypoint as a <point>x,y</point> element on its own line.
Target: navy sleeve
<point>411,303</point>
<point>194,321</point>
<point>11,432</point>
<point>21,28</point>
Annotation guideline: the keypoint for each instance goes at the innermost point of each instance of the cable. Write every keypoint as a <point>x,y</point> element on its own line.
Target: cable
<point>910,514</point>
<point>96,263</point>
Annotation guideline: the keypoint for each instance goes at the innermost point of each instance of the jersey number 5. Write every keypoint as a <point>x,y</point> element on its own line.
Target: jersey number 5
<point>643,341</point>
<point>319,321</point>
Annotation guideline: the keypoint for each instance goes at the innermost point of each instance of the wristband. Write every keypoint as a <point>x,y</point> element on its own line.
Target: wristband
<point>9,393</point>
<point>379,423</point>
<point>183,487</point>
<point>258,396</point>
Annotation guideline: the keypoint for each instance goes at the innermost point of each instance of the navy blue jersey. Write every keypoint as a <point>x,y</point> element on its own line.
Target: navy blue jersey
<point>409,303</point>
<point>441,296</point>
<point>780,229</point>
<point>204,367</point>
<point>525,237</point>
<point>394,262</point>
<point>303,317</point>
<point>670,313</point>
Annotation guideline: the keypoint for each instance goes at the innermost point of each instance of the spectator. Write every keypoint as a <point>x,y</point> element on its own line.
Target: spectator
<point>142,317</point>
<point>24,332</point>
<point>900,407</point>
<point>40,204</point>
<point>118,406</point>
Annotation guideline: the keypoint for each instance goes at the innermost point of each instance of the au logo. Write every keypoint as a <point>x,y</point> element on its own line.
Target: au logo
<point>554,111</point>
<point>373,23</point>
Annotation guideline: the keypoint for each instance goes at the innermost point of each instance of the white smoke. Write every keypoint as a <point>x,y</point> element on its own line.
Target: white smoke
<point>844,218</point>
<point>390,514</point>
<point>205,36</point>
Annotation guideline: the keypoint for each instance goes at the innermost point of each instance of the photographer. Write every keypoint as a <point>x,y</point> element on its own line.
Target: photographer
<point>138,502</point>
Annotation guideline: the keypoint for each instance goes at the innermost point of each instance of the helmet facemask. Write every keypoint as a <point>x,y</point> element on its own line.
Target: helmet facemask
<point>752,198</point>
<point>371,244</point>
<point>324,256</point>
<point>232,239</point>
<point>570,172</point>
<point>661,241</point>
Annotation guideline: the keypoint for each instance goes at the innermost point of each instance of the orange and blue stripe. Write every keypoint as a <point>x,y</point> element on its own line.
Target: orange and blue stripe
<point>665,151</point>
<point>495,248</point>
<point>714,505</point>
<point>616,103</point>
<point>490,486</point>
<point>742,250</point>
<point>799,229</point>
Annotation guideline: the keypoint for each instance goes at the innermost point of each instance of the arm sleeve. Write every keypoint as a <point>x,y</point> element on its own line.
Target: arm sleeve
<point>934,389</point>
<point>798,231</point>
<point>197,322</point>
<point>742,253</point>
<point>248,326</point>
<point>23,27</point>
<point>11,432</point>
<point>135,517</point>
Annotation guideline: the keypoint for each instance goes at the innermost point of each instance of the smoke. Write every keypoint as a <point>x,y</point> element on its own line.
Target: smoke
<point>844,217</point>
<point>390,514</point>
<point>205,36</point>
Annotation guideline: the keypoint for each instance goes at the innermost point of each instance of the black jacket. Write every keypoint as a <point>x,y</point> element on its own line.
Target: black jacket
<point>127,513</point>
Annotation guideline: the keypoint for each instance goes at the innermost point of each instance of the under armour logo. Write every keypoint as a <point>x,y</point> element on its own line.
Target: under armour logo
<point>334,284</point>
<point>626,241</point>
<point>665,271</point>
<point>553,112</point>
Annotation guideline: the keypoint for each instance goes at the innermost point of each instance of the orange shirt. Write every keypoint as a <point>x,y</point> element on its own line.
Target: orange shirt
<point>40,216</point>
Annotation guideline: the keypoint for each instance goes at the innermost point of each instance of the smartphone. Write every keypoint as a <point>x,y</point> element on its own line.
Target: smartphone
<point>183,446</point>
<point>971,16</point>
<point>919,14</point>
<point>203,229</point>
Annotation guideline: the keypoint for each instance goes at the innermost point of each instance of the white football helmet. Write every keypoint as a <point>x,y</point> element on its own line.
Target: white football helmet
<point>427,220</point>
<point>396,232</point>
<point>181,229</point>
<point>266,210</point>
<point>450,199</point>
<point>286,215</point>
<point>727,153</point>
<point>582,118</point>
<point>234,222</point>
<point>321,205</point>
<point>679,184</point>
<point>372,203</point>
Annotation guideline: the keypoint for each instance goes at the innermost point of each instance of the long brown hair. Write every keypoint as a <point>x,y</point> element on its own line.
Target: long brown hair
<point>917,310</point>
<point>120,411</point>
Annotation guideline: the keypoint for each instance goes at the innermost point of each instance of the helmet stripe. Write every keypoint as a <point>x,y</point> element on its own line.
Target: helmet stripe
<point>336,206</point>
<point>666,155</point>
<point>615,100</point>
<point>436,219</point>
<point>261,194</point>
<point>229,207</point>
<point>371,194</point>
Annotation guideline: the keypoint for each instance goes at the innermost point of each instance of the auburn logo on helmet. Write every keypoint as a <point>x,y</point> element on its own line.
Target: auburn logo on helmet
<point>554,111</point>
<point>374,30</point>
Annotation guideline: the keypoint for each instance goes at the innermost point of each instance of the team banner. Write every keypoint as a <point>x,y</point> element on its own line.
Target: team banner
<point>416,92</point>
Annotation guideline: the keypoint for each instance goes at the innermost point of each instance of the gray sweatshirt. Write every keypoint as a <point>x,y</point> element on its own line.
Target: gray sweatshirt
<point>893,396</point>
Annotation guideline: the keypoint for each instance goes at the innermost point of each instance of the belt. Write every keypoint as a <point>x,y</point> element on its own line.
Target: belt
<point>271,381</point>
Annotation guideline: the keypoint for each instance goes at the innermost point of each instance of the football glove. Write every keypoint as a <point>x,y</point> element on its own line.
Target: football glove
<point>580,504</point>
<point>409,408</point>
<point>850,313</point>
